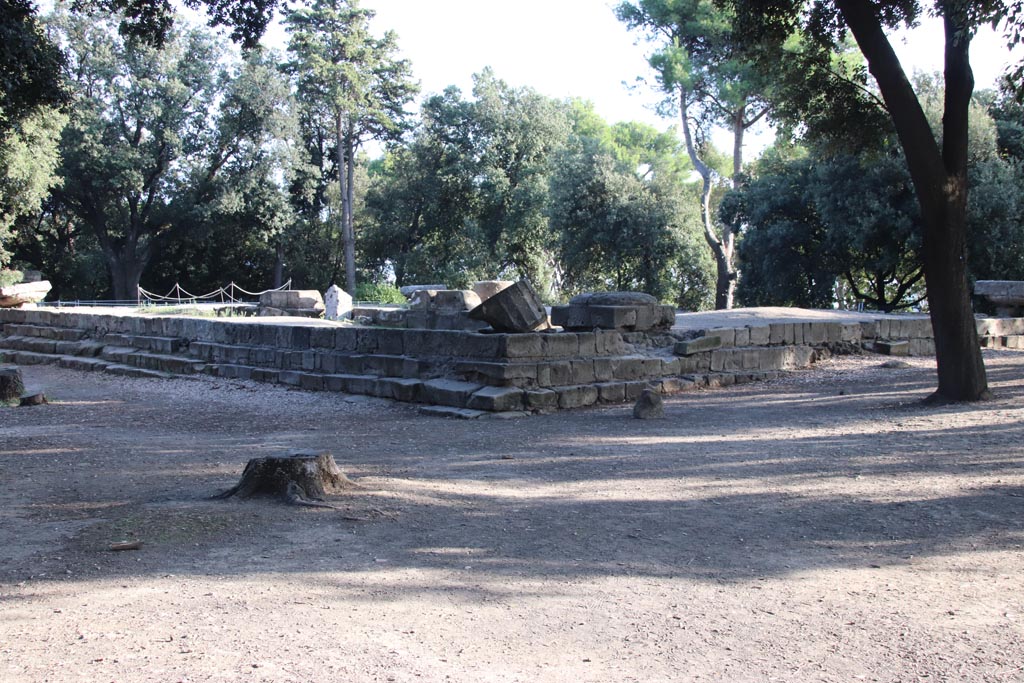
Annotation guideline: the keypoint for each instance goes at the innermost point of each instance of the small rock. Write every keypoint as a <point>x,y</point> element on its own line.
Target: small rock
<point>649,406</point>
<point>895,364</point>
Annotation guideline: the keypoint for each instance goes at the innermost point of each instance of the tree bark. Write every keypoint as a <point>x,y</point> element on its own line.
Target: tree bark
<point>726,279</point>
<point>940,183</point>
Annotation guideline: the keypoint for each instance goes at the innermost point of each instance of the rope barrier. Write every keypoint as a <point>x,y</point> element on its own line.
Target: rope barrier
<point>179,295</point>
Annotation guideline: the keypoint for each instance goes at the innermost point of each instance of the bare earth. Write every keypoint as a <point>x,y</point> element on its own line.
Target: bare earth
<point>822,527</point>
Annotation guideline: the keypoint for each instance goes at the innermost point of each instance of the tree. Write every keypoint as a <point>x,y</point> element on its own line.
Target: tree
<point>623,213</point>
<point>700,63</point>
<point>349,83</point>
<point>148,143</point>
<point>424,199</point>
<point>939,172</point>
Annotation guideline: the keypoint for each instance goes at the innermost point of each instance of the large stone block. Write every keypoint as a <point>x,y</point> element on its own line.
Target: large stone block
<point>698,345</point>
<point>448,392</point>
<point>577,396</point>
<point>497,399</point>
<point>517,308</point>
<point>541,400</point>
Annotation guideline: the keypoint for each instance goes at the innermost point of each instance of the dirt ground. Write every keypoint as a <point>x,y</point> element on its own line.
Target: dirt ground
<point>821,527</point>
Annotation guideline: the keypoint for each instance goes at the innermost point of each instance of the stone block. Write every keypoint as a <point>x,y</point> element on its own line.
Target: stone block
<point>611,392</point>
<point>577,396</point>
<point>485,289</point>
<point>559,345</point>
<point>869,329</point>
<point>521,346</point>
<point>345,338</point>
<point>727,335</point>
<point>517,308</point>
<point>634,389</point>
<point>497,399</point>
<point>608,343</point>
<point>717,380</point>
<point>490,372</point>
<point>583,372</point>
<point>290,377</point>
<point>588,344</point>
<point>337,303</point>
<point>448,392</point>
<point>322,337</point>
<point>541,400</point>
<point>676,385</point>
<point>401,389</point>
<point>742,337</point>
<point>604,369</point>
<point>760,335</point>
<point>669,366</point>
<point>475,345</point>
<point>698,345</point>
<point>554,373</point>
<point>923,347</point>
<point>893,348</point>
<point>311,382</point>
<point>628,367</point>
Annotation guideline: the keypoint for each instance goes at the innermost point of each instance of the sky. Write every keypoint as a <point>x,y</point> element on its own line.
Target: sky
<point>577,48</point>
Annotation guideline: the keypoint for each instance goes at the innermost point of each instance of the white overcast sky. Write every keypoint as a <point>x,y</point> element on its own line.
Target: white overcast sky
<point>577,48</point>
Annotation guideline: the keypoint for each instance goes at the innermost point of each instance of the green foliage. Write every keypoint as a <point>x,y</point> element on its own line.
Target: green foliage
<point>10,277</point>
<point>381,293</point>
<point>30,65</point>
<point>624,217</point>
<point>28,160</point>
<point>351,87</point>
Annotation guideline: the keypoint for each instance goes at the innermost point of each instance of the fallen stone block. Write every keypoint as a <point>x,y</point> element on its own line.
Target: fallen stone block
<point>649,406</point>
<point>485,289</point>
<point>892,348</point>
<point>517,308</point>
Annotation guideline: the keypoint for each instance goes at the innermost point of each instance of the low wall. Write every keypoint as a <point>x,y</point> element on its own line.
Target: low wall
<point>466,373</point>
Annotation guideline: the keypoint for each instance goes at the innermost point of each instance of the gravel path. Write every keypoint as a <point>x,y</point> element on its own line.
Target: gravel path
<point>822,527</point>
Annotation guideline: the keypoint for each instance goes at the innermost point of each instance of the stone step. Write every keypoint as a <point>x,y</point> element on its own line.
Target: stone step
<point>133,371</point>
<point>44,331</point>
<point>81,363</point>
<point>33,344</point>
<point>168,345</point>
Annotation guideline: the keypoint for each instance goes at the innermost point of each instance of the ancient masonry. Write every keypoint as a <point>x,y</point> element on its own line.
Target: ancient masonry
<point>454,372</point>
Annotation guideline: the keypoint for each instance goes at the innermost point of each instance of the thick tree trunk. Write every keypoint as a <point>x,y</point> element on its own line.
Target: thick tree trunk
<point>125,273</point>
<point>940,182</point>
<point>299,479</point>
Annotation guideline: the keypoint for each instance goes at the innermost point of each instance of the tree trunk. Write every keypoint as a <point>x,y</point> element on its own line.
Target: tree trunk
<point>125,273</point>
<point>940,183</point>
<point>278,265</point>
<point>298,479</point>
<point>725,279</point>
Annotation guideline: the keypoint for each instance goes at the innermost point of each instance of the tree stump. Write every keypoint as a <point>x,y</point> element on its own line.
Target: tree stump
<point>298,479</point>
<point>11,384</point>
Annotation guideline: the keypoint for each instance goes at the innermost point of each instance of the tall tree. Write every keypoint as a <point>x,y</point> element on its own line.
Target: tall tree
<point>349,83</point>
<point>699,63</point>
<point>152,132</point>
<point>938,170</point>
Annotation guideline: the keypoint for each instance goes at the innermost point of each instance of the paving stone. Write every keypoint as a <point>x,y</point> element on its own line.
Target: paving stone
<point>497,399</point>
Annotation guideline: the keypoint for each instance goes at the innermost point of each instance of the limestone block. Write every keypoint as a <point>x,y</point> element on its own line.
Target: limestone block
<point>604,369</point>
<point>560,345</point>
<point>401,389</point>
<point>611,392</point>
<point>337,303</point>
<point>833,332</point>
<point>698,345</point>
<point>541,399</point>
<point>554,373</point>
<point>676,385</point>
<point>497,399</point>
<point>759,335</point>
<point>727,335</point>
<point>649,406</point>
<point>577,396</point>
<point>634,389</point>
<point>628,368</point>
<point>583,372</point>
<point>742,337</point>
<point>893,348</point>
<point>669,366</point>
<point>453,301</point>
<point>24,293</point>
<point>608,343</point>
<point>521,346</point>
<point>587,343</point>
<point>485,289</point>
<point>448,392</point>
<point>408,290</point>
<point>517,308</point>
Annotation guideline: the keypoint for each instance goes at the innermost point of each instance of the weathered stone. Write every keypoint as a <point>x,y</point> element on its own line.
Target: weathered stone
<point>298,302</point>
<point>577,396</point>
<point>11,384</point>
<point>613,299</point>
<point>496,399</point>
<point>24,293</point>
<point>649,406</point>
<point>541,400</point>
<point>613,311</point>
<point>408,290</point>
<point>454,301</point>
<point>337,303</point>
<point>448,392</point>
<point>485,289</point>
<point>692,346</point>
<point>611,392</point>
<point>893,348</point>
<point>517,308</point>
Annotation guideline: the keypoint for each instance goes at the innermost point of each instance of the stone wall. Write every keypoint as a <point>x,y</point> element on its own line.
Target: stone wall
<point>466,373</point>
